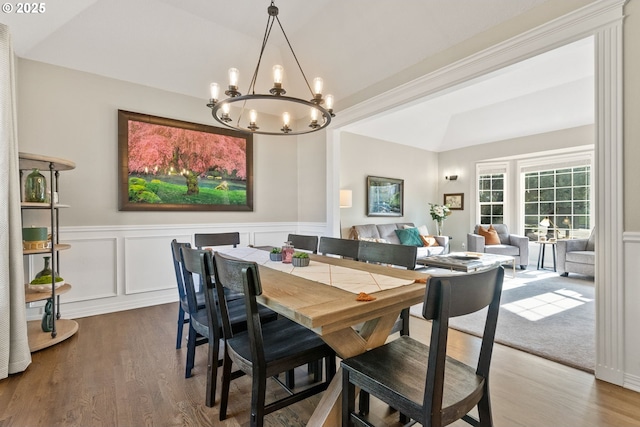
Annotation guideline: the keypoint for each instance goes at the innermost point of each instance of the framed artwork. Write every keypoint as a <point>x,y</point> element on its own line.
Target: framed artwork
<point>171,165</point>
<point>455,201</point>
<point>385,196</point>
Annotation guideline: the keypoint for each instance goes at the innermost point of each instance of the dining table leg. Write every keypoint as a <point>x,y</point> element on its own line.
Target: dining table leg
<point>348,343</point>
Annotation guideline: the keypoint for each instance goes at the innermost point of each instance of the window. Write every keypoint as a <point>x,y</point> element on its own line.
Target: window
<point>563,196</point>
<point>491,198</point>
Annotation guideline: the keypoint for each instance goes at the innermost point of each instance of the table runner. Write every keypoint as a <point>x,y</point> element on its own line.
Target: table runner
<point>348,279</point>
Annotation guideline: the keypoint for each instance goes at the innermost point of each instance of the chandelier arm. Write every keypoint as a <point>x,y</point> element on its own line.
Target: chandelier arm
<point>267,33</point>
<point>295,57</point>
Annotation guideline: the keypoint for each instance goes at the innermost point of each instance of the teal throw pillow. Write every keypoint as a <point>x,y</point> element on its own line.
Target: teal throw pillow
<point>409,237</point>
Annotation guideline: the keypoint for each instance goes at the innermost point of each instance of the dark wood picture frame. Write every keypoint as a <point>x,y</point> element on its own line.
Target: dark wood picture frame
<point>385,196</point>
<point>173,165</point>
<point>455,201</point>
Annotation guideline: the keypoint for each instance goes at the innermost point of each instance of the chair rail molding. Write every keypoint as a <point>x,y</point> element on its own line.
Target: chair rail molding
<point>602,20</point>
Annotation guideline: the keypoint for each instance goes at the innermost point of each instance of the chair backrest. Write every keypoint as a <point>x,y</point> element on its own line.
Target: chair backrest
<point>241,277</point>
<point>346,248</point>
<point>200,262</point>
<point>177,266</point>
<point>305,243</point>
<point>453,296</point>
<point>388,253</point>
<point>206,240</point>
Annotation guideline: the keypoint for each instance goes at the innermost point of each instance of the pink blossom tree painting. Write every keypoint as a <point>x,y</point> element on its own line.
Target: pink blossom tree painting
<point>177,163</point>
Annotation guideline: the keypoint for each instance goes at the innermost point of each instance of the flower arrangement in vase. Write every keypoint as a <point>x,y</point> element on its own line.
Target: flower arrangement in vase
<point>439,213</point>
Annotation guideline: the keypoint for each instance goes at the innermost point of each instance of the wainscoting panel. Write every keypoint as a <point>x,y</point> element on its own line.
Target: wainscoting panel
<point>115,268</point>
<point>148,265</point>
<point>631,311</point>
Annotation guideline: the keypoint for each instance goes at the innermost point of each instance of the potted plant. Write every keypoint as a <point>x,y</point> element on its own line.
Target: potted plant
<point>276,254</point>
<point>300,259</point>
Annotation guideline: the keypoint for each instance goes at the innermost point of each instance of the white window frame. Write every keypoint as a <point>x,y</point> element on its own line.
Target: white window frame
<point>557,161</point>
<point>489,168</point>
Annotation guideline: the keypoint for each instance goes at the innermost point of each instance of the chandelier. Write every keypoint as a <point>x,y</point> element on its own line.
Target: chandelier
<point>276,102</point>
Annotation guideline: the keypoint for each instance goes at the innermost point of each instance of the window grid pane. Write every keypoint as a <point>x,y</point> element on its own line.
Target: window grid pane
<point>562,195</point>
<point>491,198</point>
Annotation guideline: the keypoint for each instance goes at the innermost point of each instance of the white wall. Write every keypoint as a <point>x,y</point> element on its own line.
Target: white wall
<point>361,156</point>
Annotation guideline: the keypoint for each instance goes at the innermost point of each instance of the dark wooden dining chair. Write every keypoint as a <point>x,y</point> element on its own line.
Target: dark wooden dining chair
<point>205,325</point>
<point>264,349</point>
<point>420,381</point>
<point>183,307</point>
<point>345,248</point>
<point>211,240</point>
<point>303,242</point>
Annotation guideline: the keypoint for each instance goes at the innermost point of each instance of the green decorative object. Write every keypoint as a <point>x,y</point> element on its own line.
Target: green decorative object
<point>46,271</point>
<point>47,318</point>
<point>35,187</point>
<point>34,234</point>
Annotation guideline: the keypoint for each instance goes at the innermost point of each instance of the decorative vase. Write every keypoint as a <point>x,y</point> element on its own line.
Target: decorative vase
<point>300,262</point>
<point>46,271</point>
<point>35,187</point>
<point>287,253</point>
<point>439,225</point>
<point>275,257</point>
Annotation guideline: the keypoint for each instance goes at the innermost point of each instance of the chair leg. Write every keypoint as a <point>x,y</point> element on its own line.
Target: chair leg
<point>348,399</point>
<point>484,409</point>
<point>212,370</point>
<point>290,379</point>
<point>181,322</point>
<point>258,396</point>
<point>191,351</point>
<point>363,403</point>
<point>226,381</point>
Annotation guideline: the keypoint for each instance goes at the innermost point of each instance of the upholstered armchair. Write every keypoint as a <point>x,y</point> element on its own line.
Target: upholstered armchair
<point>505,243</point>
<point>577,255</point>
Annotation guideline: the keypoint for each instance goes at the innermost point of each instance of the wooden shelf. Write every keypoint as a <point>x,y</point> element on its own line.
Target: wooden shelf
<point>36,161</point>
<point>33,296</point>
<point>58,247</point>
<point>39,340</point>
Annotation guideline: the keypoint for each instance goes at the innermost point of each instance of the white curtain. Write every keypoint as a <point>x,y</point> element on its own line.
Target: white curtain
<point>14,343</point>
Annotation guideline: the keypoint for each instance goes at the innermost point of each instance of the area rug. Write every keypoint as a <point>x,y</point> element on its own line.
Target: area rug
<point>543,314</point>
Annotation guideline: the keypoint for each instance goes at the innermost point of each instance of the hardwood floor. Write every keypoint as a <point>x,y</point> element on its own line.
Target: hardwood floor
<point>121,369</point>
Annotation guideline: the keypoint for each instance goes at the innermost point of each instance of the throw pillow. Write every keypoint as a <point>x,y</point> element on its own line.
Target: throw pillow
<point>429,240</point>
<point>409,237</point>
<point>423,230</point>
<point>490,235</point>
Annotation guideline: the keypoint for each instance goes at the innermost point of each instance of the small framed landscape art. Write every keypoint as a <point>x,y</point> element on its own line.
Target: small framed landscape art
<point>171,165</point>
<point>385,196</point>
<point>455,201</point>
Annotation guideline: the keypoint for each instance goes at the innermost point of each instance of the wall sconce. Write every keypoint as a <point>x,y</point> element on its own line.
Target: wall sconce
<point>451,177</point>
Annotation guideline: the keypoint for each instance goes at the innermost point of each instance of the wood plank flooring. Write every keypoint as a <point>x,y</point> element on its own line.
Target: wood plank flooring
<point>121,369</point>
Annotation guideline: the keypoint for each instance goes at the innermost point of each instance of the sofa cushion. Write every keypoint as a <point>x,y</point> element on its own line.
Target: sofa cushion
<point>581,257</point>
<point>502,250</point>
<point>388,233</point>
<point>490,235</point>
<point>409,236</point>
<point>366,231</point>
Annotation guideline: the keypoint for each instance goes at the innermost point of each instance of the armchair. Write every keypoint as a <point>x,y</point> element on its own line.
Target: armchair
<point>510,244</point>
<point>577,256</point>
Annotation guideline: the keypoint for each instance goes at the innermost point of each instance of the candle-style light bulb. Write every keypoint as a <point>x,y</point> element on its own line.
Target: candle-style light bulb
<point>278,72</point>
<point>329,102</point>
<point>314,115</point>
<point>214,88</point>
<point>225,108</point>
<point>318,83</point>
<point>286,119</point>
<point>253,116</point>
<point>234,75</point>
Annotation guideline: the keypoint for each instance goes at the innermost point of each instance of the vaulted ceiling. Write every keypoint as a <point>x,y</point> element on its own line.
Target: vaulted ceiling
<point>181,46</point>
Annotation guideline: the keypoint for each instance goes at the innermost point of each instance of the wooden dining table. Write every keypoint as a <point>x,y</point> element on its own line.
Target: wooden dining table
<point>333,312</point>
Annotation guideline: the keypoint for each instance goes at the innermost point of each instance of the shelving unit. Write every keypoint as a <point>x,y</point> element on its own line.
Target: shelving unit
<point>61,328</point>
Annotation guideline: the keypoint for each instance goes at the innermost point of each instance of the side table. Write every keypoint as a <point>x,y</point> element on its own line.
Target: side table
<point>543,244</point>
